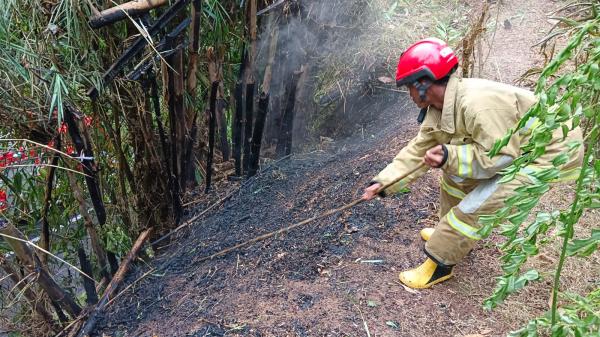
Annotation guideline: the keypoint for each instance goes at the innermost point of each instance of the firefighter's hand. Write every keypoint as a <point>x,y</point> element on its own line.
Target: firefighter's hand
<point>371,191</point>
<point>434,156</point>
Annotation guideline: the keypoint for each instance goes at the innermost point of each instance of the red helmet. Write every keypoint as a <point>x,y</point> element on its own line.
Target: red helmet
<point>431,58</point>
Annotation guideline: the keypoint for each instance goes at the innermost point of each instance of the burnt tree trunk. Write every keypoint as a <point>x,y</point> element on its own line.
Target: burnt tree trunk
<point>211,134</point>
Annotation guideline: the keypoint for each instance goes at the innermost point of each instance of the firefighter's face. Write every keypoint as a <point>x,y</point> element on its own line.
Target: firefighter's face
<point>414,94</point>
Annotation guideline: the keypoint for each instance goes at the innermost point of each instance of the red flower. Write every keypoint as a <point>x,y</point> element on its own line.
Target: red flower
<point>70,149</point>
<point>87,120</point>
<point>3,203</point>
<point>32,153</point>
<point>63,128</point>
<point>51,144</point>
<point>37,161</point>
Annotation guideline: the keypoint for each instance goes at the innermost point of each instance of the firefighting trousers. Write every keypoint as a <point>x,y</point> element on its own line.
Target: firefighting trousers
<point>463,202</point>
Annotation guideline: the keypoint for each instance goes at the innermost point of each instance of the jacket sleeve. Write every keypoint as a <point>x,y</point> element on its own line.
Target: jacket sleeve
<point>409,157</point>
<point>472,160</point>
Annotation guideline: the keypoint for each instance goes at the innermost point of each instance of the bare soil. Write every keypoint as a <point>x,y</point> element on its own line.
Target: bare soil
<point>337,276</point>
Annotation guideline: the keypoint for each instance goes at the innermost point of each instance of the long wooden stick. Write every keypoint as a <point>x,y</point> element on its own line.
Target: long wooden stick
<point>304,222</point>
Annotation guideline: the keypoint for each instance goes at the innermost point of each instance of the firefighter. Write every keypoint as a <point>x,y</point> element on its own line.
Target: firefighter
<point>461,119</point>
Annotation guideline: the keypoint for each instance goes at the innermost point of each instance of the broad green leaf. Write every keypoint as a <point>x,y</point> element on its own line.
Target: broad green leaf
<point>584,247</point>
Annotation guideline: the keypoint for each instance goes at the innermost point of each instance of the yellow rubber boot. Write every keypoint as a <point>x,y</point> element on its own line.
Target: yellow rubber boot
<point>426,233</point>
<point>425,275</point>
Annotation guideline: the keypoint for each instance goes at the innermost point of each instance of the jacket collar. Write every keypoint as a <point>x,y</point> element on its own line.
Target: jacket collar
<point>448,114</point>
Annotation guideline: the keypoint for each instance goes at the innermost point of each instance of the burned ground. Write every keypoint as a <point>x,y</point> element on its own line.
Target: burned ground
<point>336,276</point>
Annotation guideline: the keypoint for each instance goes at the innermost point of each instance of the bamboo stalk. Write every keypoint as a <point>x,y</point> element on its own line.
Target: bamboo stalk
<point>238,118</point>
<point>88,285</point>
<point>173,133</point>
<point>89,166</point>
<point>211,134</point>
<point>248,124</point>
<point>284,141</point>
<point>259,127</point>
<point>263,106</point>
<point>45,232</point>
<point>89,226</point>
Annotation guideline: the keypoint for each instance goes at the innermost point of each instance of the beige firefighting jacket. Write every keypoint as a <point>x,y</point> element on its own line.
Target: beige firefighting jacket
<point>475,114</point>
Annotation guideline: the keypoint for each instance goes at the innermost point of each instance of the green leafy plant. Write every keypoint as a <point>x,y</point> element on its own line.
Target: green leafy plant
<point>568,91</point>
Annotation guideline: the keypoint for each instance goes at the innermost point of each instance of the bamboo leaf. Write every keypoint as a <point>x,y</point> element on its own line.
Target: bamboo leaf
<point>584,247</point>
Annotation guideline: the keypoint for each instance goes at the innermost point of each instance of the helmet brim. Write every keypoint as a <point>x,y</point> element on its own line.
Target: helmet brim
<point>412,78</point>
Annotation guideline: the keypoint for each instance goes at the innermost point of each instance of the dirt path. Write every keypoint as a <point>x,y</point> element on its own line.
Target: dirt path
<point>337,277</point>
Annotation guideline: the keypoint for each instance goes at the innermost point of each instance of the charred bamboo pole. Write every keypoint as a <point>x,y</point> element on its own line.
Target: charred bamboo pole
<point>222,126</point>
<point>248,123</point>
<point>173,135</point>
<point>221,117</point>
<point>211,134</point>
<point>112,262</point>
<point>284,141</point>
<point>215,74</point>
<point>191,85</point>
<point>157,117</point>
<point>89,167</point>
<point>89,226</point>
<point>138,46</point>
<point>302,106</point>
<point>88,285</point>
<point>117,13</point>
<point>238,118</point>
<point>263,106</point>
<point>23,286</point>
<point>32,264</point>
<point>45,230</point>
<point>189,151</point>
<point>114,284</point>
<point>250,83</point>
<point>180,116</point>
